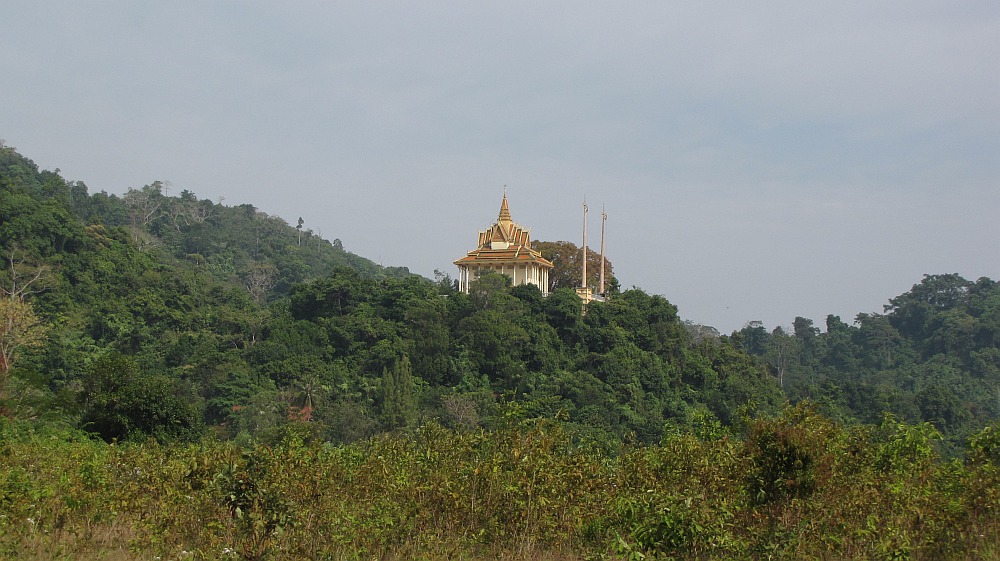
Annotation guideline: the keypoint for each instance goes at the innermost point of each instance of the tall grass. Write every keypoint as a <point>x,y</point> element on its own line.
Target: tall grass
<point>792,487</point>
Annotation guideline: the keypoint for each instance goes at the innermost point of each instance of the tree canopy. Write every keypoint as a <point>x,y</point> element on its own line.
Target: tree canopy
<point>244,323</point>
<point>567,259</point>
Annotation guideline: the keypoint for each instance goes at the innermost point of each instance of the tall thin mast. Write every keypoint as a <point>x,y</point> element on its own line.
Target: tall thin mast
<point>604,218</point>
<point>584,243</point>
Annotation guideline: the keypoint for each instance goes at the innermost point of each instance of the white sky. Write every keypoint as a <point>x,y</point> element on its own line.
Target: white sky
<point>758,161</point>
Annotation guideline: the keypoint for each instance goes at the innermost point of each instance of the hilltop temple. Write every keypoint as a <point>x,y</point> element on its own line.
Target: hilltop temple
<point>505,248</point>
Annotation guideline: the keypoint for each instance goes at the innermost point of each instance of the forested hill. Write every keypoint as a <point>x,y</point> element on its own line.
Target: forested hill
<point>47,215</point>
<point>168,316</point>
<point>933,355</point>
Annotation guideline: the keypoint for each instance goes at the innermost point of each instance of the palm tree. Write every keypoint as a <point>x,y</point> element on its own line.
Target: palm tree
<point>303,396</point>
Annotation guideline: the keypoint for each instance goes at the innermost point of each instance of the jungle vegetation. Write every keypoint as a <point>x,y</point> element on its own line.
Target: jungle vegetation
<point>183,378</point>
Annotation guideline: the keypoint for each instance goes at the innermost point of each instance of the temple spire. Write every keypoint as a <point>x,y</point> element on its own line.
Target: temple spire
<point>504,211</point>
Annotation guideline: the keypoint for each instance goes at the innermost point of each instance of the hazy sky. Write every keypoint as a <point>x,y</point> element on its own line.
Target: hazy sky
<point>758,160</point>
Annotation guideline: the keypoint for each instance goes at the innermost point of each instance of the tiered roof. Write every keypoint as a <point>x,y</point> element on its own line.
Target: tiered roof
<point>504,242</point>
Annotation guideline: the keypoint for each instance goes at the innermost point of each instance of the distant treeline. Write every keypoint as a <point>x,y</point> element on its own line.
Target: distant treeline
<point>933,355</point>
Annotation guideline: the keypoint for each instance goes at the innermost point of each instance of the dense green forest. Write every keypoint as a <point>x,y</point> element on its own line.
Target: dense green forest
<point>933,355</point>
<point>215,343</point>
<point>169,316</point>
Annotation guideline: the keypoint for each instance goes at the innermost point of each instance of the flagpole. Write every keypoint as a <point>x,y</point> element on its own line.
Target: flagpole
<point>604,218</point>
<point>584,243</point>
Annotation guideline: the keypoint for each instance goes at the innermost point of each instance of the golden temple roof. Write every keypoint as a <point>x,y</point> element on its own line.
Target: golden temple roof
<point>504,242</point>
